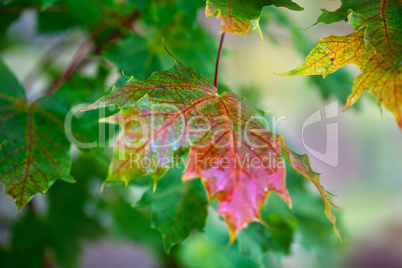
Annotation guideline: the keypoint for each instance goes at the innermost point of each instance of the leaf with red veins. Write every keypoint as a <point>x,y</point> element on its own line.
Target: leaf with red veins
<point>378,76</point>
<point>153,119</point>
<point>178,85</point>
<point>240,166</point>
<point>382,20</point>
<point>35,151</point>
<point>237,158</point>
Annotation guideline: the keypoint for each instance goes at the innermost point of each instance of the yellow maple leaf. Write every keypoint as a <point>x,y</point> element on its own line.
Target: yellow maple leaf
<point>379,77</point>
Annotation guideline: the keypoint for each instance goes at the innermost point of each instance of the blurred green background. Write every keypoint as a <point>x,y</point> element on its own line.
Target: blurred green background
<point>77,225</point>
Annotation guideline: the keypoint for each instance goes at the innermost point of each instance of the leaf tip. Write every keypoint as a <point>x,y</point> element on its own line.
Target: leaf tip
<point>232,235</point>
<point>337,233</point>
<point>154,185</point>
<point>102,187</point>
<point>127,77</point>
<point>289,73</point>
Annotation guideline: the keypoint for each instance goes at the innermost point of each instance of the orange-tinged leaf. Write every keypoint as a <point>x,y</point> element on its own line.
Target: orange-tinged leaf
<point>382,20</point>
<point>238,16</point>
<point>238,160</point>
<point>240,165</point>
<point>379,77</point>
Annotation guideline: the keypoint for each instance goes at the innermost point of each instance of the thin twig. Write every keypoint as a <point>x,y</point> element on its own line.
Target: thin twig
<point>82,49</point>
<point>218,59</point>
<point>79,54</point>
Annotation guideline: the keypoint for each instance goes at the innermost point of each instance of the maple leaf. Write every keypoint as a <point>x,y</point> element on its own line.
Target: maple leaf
<point>35,151</point>
<point>382,20</point>
<point>379,77</point>
<point>238,159</point>
<point>34,148</point>
<point>238,16</point>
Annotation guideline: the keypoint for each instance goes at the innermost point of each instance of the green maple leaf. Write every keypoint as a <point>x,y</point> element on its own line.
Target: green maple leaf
<point>238,16</point>
<point>179,109</point>
<point>34,149</point>
<point>36,152</point>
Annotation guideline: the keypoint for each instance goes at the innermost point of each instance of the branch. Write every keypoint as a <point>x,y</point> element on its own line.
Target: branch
<point>79,54</point>
<point>82,49</point>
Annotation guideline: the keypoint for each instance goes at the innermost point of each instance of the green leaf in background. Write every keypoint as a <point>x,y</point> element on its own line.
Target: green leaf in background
<point>68,222</point>
<point>57,15</point>
<point>162,11</point>
<point>35,149</point>
<point>28,244</point>
<point>267,244</point>
<point>382,20</point>
<point>36,152</point>
<point>47,3</point>
<point>141,55</point>
<point>193,45</point>
<point>257,240</point>
<point>90,15</point>
<point>131,223</point>
<point>57,237</point>
<point>313,231</point>
<point>7,17</point>
<point>210,248</point>
<point>190,8</point>
<point>133,56</point>
<point>157,13</point>
<point>87,134</point>
<point>238,16</point>
<point>177,207</point>
<point>128,222</point>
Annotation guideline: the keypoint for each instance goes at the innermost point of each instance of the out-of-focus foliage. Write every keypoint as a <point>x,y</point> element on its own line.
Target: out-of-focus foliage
<point>177,208</point>
<point>129,36</point>
<point>79,214</point>
<point>58,235</point>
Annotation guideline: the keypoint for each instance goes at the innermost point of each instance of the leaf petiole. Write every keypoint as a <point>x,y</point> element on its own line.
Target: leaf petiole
<point>218,59</point>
